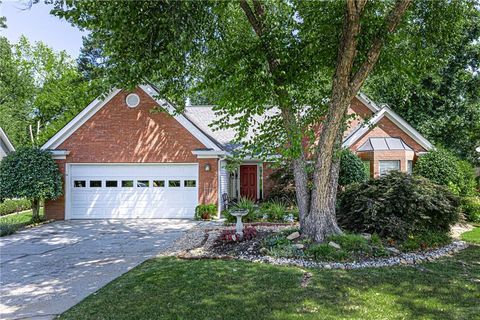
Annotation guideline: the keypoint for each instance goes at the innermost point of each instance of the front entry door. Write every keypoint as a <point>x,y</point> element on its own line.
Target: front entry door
<point>248,182</point>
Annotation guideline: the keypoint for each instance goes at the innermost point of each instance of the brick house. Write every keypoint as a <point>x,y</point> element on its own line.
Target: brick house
<point>120,160</point>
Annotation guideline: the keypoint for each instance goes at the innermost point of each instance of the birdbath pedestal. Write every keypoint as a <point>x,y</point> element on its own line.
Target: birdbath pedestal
<point>239,226</point>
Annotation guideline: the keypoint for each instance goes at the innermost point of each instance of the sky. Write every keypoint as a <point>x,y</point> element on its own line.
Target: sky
<point>37,24</point>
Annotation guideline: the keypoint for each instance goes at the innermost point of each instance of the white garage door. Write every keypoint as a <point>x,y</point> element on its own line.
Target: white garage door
<point>133,191</point>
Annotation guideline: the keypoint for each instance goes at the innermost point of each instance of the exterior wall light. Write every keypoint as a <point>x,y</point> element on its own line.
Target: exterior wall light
<point>207,167</point>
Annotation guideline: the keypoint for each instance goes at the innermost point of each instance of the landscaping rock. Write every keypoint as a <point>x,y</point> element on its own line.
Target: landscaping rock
<point>366,236</point>
<point>392,250</point>
<point>294,235</point>
<point>299,246</point>
<point>334,245</point>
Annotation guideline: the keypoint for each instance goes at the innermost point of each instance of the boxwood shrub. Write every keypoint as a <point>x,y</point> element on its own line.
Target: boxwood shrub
<point>397,206</point>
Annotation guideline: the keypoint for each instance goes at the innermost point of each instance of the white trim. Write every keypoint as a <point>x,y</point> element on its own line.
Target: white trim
<point>396,119</point>
<point>68,202</point>
<point>59,154</point>
<point>97,104</point>
<point>78,121</point>
<point>6,140</point>
<point>370,104</point>
<point>209,154</point>
<point>197,133</point>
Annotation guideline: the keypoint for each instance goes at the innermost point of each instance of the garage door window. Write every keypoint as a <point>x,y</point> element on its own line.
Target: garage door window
<point>158,183</point>
<point>127,183</point>
<point>190,183</point>
<point>174,183</point>
<point>143,183</point>
<point>79,183</point>
<point>95,183</point>
<point>111,183</point>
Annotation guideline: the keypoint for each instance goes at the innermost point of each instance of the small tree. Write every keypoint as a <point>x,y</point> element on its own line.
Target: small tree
<point>351,169</point>
<point>30,173</point>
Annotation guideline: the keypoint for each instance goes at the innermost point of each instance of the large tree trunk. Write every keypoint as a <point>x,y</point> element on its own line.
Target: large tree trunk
<point>35,210</point>
<point>317,208</point>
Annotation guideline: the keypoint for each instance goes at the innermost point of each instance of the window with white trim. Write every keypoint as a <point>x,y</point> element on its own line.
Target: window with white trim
<point>111,183</point>
<point>190,183</point>
<point>173,183</point>
<point>158,183</point>
<point>386,166</point>
<point>143,183</point>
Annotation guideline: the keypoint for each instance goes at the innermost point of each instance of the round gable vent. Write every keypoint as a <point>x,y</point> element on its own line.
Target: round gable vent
<point>132,100</point>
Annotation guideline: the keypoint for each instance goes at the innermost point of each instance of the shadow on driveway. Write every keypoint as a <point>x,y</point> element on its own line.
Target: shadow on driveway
<point>48,269</point>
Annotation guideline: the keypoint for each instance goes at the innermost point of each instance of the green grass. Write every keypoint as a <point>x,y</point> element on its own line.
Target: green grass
<point>13,222</point>
<point>472,236</point>
<point>168,288</point>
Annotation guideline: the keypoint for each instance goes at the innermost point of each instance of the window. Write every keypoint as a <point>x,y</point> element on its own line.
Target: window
<point>410,166</point>
<point>127,183</point>
<point>143,183</point>
<point>173,183</point>
<point>388,165</point>
<point>158,183</point>
<point>190,183</point>
<point>79,183</point>
<point>366,167</point>
<point>111,183</point>
<point>95,183</point>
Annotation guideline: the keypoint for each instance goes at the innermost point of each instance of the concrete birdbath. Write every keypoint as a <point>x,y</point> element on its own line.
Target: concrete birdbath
<point>239,226</point>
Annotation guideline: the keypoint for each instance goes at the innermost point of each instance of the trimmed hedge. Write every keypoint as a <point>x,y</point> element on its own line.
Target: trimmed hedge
<point>397,206</point>
<point>443,168</point>
<point>471,208</point>
<point>10,206</point>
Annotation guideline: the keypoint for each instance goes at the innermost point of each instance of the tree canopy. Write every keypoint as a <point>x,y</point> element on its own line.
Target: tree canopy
<point>40,89</point>
<point>296,63</point>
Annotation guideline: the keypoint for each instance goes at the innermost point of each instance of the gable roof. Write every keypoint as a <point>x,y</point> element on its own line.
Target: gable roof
<point>198,119</point>
<point>363,128</point>
<point>62,135</point>
<point>6,141</point>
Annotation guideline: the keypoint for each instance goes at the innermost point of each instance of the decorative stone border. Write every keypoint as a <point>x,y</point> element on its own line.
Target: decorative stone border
<point>401,259</point>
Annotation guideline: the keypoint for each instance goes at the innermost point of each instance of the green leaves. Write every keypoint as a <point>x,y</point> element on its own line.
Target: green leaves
<point>30,173</point>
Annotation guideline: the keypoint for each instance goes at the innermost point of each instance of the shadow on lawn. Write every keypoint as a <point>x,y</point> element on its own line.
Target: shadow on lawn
<point>209,289</point>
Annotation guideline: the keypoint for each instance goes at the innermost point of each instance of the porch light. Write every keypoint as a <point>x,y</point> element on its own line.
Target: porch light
<point>207,167</point>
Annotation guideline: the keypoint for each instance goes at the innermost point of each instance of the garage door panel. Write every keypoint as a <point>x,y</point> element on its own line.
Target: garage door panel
<point>118,201</point>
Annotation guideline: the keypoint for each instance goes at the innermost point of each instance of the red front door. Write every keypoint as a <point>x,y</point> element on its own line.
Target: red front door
<point>248,182</point>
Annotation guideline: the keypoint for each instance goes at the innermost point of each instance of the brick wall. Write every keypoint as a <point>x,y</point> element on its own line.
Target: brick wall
<point>118,134</point>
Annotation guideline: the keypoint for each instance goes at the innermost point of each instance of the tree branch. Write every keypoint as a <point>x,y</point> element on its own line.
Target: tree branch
<point>254,22</point>
<point>373,54</point>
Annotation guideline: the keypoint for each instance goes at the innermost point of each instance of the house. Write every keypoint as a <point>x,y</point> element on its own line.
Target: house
<point>5,145</point>
<point>119,160</point>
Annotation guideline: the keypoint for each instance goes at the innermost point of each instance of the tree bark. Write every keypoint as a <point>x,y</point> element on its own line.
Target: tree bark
<point>317,208</point>
<point>321,220</point>
<point>35,209</point>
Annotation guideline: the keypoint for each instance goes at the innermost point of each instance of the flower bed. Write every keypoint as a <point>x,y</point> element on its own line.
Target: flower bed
<point>284,245</point>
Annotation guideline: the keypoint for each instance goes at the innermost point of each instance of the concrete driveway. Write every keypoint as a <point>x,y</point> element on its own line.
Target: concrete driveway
<point>48,269</point>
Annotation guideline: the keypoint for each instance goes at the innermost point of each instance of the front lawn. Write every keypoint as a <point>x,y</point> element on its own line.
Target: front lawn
<point>472,235</point>
<point>169,288</point>
<point>11,223</point>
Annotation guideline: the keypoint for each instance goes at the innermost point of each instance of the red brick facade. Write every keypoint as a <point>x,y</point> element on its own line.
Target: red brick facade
<point>119,134</point>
